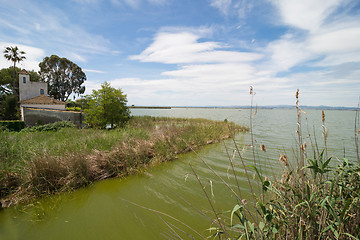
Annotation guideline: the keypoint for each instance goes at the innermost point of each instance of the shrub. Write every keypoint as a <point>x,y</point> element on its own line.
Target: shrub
<point>50,127</point>
<point>76,109</point>
<point>10,109</point>
<point>12,125</point>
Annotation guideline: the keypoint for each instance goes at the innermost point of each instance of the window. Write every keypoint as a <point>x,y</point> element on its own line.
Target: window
<point>41,91</point>
<point>24,79</point>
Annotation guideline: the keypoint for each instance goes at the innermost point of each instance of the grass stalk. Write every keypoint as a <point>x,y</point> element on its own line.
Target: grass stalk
<point>313,200</point>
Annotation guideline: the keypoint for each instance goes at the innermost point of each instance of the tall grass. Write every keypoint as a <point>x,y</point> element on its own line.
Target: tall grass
<point>314,198</point>
<point>39,163</point>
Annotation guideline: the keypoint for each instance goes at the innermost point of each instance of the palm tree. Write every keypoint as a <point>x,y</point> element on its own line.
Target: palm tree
<point>15,55</point>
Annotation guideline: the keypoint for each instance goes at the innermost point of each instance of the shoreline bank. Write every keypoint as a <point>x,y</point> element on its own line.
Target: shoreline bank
<point>39,164</point>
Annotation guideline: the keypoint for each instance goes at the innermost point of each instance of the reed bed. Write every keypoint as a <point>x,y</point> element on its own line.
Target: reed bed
<point>34,164</point>
<point>315,197</point>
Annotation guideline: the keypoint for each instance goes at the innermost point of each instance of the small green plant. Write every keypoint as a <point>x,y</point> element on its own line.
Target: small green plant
<point>15,125</point>
<point>50,127</point>
<point>76,109</point>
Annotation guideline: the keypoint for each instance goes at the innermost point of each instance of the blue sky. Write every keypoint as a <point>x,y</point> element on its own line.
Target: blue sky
<point>197,52</point>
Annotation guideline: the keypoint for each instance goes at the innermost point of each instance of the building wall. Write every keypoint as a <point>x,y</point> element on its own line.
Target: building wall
<point>33,116</point>
<point>45,106</point>
<point>30,89</point>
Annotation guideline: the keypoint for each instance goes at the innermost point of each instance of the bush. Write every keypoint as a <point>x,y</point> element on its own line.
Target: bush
<point>50,127</point>
<point>76,109</point>
<point>10,109</point>
<point>12,125</point>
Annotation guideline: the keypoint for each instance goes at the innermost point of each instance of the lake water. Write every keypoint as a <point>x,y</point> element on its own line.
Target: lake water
<point>105,210</point>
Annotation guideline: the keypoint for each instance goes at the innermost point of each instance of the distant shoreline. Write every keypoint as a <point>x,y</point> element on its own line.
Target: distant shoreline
<point>248,107</point>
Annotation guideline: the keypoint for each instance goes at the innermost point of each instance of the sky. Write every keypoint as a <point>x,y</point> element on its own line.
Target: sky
<point>197,52</point>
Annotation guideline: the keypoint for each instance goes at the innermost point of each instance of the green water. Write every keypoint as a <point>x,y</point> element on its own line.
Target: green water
<point>104,211</point>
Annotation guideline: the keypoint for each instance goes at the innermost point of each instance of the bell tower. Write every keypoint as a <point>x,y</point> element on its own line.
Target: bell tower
<point>24,82</point>
<point>28,89</point>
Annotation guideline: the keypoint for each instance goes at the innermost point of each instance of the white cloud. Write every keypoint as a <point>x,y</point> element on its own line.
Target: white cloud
<point>286,53</point>
<point>93,71</point>
<point>90,86</point>
<point>49,27</point>
<point>33,56</point>
<point>336,41</point>
<point>332,44</point>
<point>306,14</point>
<point>243,7</point>
<point>74,57</point>
<point>185,48</point>
<point>225,73</point>
<point>133,3</point>
<point>222,5</point>
<point>158,2</point>
<point>86,2</point>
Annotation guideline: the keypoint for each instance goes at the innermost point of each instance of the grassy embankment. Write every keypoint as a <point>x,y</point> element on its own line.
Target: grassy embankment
<point>40,163</point>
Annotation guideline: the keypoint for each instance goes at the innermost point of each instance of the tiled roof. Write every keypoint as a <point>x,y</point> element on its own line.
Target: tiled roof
<point>42,99</point>
<point>24,72</point>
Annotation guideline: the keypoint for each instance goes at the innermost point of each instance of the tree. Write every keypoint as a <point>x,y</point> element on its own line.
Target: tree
<point>10,110</point>
<point>106,106</point>
<point>15,55</point>
<point>63,76</point>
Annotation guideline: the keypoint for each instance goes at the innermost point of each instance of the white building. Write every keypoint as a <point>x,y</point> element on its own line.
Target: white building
<point>28,89</point>
<point>35,95</point>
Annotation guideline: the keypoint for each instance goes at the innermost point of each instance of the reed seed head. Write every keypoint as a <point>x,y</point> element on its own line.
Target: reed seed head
<point>297,94</point>
<point>323,116</point>
<point>263,148</point>
<point>284,160</point>
<point>251,90</point>
<point>303,146</point>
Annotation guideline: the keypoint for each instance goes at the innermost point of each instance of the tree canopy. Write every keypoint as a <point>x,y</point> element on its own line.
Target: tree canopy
<point>106,106</point>
<point>15,55</point>
<point>9,108</point>
<point>63,76</point>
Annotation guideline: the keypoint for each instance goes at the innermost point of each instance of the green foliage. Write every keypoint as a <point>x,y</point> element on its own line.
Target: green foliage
<point>50,127</point>
<point>106,106</point>
<point>63,76</point>
<point>12,125</point>
<point>73,105</point>
<point>6,76</point>
<point>318,165</point>
<point>76,109</point>
<point>10,109</point>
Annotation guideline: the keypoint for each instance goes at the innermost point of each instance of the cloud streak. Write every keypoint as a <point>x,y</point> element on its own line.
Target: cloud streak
<point>185,48</point>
